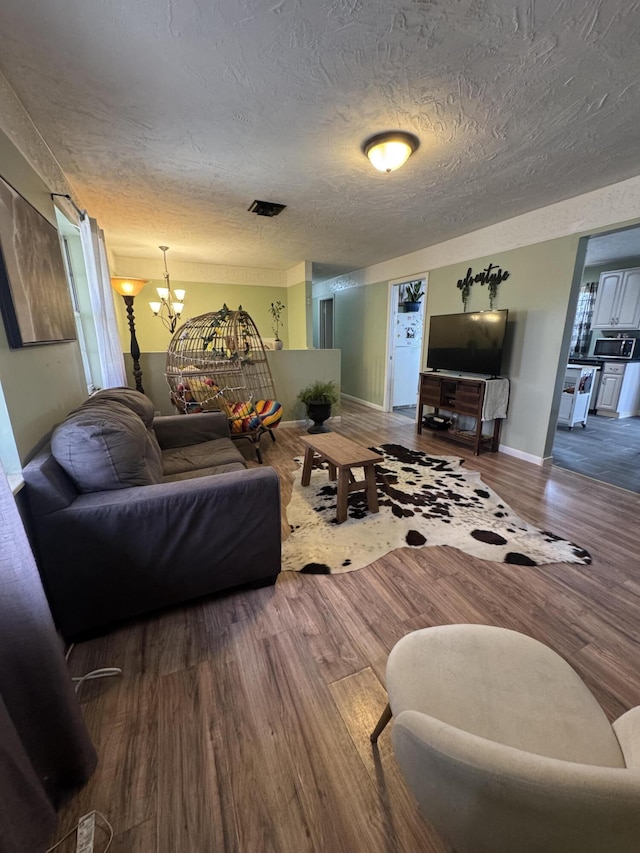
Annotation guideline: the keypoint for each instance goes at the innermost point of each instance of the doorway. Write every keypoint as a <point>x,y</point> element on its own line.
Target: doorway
<point>406,328</point>
<point>325,311</point>
<point>608,448</point>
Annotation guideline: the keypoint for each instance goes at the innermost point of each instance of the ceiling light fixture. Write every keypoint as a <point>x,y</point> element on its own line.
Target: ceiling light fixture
<point>171,303</point>
<point>388,151</point>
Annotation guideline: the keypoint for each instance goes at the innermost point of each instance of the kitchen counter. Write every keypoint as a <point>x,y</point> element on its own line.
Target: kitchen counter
<point>599,361</point>
<point>619,394</point>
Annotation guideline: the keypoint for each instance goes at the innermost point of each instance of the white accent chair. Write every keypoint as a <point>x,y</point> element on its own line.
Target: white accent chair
<point>505,748</point>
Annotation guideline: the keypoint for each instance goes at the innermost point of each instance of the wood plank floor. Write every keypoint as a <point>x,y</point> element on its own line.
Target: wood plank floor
<point>241,722</point>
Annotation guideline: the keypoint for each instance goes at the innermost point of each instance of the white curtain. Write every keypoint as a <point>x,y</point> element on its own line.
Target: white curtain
<point>109,347</point>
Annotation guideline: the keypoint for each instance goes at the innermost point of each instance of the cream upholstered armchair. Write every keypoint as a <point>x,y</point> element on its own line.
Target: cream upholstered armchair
<point>505,748</point>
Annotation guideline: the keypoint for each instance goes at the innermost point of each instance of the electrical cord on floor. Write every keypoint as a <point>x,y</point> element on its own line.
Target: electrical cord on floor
<point>107,828</point>
<point>104,672</point>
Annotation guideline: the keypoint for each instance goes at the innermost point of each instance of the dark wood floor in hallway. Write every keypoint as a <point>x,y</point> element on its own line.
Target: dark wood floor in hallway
<point>241,722</point>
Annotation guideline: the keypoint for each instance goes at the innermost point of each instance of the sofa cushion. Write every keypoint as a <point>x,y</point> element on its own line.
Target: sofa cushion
<point>134,400</point>
<point>204,472</point>
<point>207,454</point>
<point>142,406</point>
<point>105,446</point>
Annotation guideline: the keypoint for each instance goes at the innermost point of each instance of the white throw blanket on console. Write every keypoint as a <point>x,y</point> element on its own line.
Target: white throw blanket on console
<point>496,399</point>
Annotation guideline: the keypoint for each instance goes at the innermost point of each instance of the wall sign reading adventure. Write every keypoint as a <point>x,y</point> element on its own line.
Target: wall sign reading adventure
<point>492,276</point>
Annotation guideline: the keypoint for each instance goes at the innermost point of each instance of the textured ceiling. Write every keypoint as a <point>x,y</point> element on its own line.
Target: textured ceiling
<point>170,118</point>
<point>616,247</point>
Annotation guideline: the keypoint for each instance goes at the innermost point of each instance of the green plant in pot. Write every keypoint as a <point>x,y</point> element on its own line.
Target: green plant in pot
<point>412,293</point>
<point>318,397</point>
<point>276,310</point>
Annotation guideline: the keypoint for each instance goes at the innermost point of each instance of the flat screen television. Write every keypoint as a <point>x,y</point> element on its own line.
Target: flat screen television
<point>467,343</point>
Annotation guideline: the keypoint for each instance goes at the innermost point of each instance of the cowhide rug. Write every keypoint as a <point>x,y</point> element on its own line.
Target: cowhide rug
<point>424,500</point>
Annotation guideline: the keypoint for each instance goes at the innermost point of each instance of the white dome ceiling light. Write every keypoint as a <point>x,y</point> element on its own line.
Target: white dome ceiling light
<point>388,151</point>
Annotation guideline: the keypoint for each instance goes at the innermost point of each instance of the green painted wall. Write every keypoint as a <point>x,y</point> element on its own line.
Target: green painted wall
<point>360,318</point>
<point>291,370</point>
<point>296,302</point>
<point>41,384</point>
<point>154,338</point>
<point>538,294</point>
<point>201,298</point>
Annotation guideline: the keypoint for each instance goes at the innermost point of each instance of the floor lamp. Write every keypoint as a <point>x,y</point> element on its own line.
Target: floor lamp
<point>129,288</point>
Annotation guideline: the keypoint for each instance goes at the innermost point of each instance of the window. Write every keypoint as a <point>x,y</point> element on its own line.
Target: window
<point>581,335</point>
<point>79,287</point>
<point>8,450</point>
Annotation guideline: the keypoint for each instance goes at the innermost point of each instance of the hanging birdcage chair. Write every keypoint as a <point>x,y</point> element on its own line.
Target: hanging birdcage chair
<point>217,362</point>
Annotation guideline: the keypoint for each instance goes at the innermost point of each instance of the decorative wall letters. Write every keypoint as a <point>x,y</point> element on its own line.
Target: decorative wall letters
<point>491,276</point>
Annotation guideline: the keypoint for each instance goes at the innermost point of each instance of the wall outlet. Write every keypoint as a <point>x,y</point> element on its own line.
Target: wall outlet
<point>156,414</point>
<point>86,833</point>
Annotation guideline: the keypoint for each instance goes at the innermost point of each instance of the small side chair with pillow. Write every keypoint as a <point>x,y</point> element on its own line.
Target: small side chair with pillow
<point>505,748</point>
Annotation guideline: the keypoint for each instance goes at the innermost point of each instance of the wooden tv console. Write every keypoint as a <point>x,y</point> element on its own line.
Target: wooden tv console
<point>458,395</point>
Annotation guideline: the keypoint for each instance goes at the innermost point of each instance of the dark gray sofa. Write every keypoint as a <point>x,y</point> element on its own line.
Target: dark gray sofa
<point>130,513</point>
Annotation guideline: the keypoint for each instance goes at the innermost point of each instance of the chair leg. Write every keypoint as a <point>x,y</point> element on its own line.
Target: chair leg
<point>381,724</point>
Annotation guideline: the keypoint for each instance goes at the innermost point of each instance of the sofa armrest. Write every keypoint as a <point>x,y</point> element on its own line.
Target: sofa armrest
<point>112,555</point>
<point>183,430</point>
<point>141,500</point>
<point>627,730</point>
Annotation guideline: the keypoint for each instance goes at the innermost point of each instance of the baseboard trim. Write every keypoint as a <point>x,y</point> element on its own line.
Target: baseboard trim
<point>305,422</point>
<point>367,403</point>
<point>519,454</point>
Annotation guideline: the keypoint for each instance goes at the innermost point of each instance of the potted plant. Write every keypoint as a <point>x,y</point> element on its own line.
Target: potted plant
<point>412,293</point>
<point>318,397</point>
<point>276,310</point>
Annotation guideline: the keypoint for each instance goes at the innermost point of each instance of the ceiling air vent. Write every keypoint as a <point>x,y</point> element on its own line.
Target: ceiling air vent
<point>266,208</point>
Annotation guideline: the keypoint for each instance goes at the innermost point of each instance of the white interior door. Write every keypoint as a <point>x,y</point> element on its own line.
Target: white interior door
<point>406,366</point>
<point>407,347</point>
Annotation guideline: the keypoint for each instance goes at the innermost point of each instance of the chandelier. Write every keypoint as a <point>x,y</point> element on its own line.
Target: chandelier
<point>171,303</point>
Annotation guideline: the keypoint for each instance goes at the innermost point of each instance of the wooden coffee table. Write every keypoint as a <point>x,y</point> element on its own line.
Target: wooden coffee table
<point>341,454</point>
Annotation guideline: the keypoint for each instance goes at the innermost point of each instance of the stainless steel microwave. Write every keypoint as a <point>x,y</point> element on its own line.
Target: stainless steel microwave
<point>615,348</point>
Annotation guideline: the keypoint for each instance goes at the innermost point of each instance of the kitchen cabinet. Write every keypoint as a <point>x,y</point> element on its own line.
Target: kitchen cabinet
<point>619,394</point>
<point>618,300</point>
